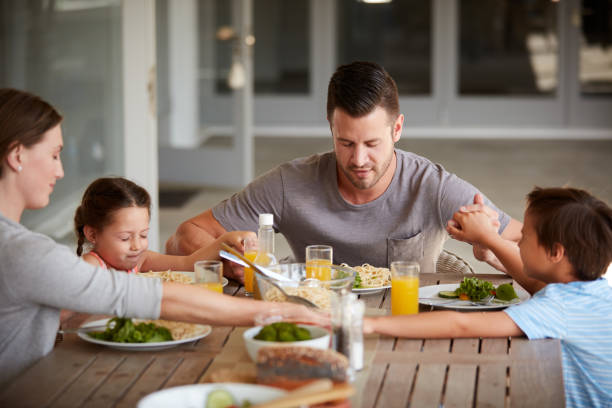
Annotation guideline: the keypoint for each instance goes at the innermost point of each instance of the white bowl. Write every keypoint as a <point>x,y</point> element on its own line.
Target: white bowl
<point>320,340</point>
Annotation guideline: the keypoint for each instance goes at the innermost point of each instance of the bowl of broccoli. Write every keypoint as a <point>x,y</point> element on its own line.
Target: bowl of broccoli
<point>284,334</point>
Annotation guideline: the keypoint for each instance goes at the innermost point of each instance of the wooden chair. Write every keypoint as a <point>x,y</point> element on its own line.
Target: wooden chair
<point>449,262</point>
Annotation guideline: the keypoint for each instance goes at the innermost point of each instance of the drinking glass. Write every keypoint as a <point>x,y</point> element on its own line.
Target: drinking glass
<point>404,288</point>
<point>319,259</point>
<point>209,274</point>
<point>251,246</point>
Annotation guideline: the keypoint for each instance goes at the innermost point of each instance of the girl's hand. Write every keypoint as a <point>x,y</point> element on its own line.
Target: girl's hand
<point>236,239</point>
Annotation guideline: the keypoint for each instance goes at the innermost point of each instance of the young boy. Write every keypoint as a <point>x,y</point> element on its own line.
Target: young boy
<point>566,247</point>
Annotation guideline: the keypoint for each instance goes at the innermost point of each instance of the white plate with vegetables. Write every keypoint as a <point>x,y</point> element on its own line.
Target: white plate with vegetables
<point>211,396</point>
<point>446,296</point>
<point>192,332</point>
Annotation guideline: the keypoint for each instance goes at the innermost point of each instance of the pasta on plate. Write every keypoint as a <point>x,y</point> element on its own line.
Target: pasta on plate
<point>371,276</point>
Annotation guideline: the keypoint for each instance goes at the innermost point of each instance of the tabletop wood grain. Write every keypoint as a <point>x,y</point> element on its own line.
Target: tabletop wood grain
<point>504,372</point>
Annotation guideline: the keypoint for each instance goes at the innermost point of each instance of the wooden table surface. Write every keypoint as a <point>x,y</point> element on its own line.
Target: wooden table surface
<point>507,372</point>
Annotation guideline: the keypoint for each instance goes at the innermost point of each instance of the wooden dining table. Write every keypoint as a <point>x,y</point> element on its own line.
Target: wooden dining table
<point>500,372</point>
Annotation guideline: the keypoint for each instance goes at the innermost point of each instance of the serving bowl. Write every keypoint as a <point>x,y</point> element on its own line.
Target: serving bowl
<point>317,291</point>
<point>320,340</point>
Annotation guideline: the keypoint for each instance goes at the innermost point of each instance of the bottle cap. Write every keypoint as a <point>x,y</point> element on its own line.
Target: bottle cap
<point>266,219</point>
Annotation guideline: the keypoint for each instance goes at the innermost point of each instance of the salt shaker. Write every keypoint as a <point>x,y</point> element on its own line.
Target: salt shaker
<point>347,324</point>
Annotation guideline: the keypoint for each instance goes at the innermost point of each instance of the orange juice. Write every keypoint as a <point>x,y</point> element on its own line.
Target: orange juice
<point>319,269</point>
<point>248,272</point>
<point>214,286</point>
<point>404,295</point>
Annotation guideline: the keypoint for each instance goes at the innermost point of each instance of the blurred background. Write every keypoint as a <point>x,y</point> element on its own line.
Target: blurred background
<point>194,98</point>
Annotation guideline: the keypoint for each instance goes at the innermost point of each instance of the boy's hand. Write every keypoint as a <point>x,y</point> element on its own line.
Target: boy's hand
<point>472,227</point>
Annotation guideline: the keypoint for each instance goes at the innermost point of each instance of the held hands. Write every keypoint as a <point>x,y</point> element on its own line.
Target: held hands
<point>474,224</point>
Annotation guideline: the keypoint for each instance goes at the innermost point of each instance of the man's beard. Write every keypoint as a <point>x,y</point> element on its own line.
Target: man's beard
<point>364,184</point>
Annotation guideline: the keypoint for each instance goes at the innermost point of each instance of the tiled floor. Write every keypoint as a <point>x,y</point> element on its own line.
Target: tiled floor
<point>504,170</point>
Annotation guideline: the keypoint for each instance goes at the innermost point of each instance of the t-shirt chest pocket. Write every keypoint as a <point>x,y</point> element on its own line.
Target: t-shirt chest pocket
<point>406,249</point>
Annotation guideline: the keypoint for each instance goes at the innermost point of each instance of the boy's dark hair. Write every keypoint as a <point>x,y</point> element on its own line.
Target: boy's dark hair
<point>24,119</point>
<point>359,87</point>
<point>101,199</point>
<point>579,222</point>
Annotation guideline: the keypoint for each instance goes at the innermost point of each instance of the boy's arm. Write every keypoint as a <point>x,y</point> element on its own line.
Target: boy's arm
<point>444,324</point>
<point>475,227</point>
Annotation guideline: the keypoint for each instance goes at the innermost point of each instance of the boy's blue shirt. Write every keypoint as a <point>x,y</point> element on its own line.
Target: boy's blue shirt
<point>580,315</point>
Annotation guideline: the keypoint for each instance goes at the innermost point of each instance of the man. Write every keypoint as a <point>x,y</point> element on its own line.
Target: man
<point>369,201</point>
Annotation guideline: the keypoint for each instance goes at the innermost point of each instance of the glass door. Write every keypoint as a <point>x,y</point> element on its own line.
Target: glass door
<point>205,67</point>
<point>91,60</point>
<point>506,68</point>
<point>590,62</point>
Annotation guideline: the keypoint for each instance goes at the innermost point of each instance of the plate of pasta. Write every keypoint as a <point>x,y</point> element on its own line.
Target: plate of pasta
<point>180,333</point>
<point>175,276</point>
<point>370,279</point>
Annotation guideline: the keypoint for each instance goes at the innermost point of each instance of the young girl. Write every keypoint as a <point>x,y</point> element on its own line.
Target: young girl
<point>113,220</point>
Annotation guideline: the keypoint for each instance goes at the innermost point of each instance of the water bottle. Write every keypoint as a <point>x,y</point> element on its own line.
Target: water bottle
<point>265,236</point>
<point>265,252</point>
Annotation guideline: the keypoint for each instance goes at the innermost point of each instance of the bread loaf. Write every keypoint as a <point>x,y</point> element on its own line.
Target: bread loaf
<point>291,367</point>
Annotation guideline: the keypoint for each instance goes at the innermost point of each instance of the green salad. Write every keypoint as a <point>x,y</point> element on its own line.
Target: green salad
<point>282,331</point>
<point>123,330</point>
<point>475,289</point>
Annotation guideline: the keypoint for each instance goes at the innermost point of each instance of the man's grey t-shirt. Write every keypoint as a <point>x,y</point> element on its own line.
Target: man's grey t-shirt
<point>38,278</point>
<point>407,222</point>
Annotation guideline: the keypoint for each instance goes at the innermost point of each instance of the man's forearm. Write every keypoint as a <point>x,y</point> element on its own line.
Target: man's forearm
<point>188,238</point>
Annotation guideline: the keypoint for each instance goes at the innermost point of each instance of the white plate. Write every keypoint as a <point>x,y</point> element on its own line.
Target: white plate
<point>195,395</point>
<point>428,295</point>
<point>370,291</point>
<point>139,346</point>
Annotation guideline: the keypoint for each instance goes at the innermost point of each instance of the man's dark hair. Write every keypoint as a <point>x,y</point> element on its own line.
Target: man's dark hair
<point>579,222</point>
<point>359,87</point>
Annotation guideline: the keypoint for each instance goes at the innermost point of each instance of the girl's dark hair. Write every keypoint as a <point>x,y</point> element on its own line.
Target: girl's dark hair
<point>359,87</point>
<point>24,119</point>
<point>579,222</point>
<point>101,199</point>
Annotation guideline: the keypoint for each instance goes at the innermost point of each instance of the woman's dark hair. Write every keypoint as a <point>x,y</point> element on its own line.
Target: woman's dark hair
<point>579,222</point>
<point>24,119</point>
<point>101,199</point>
<point>359,87</point>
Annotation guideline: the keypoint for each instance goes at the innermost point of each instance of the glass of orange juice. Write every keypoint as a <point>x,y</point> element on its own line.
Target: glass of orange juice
<point>318,262</point>
<point>404,288</point>
<point>251,246</point>
<point>209,274</point>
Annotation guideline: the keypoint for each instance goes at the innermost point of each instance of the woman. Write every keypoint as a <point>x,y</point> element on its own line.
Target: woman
<point>39,277</point>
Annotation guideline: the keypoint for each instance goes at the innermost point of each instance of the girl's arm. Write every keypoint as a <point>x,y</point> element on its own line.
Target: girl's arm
<point>193,304</point>
<point>444,324</point>
<point>154,261</point>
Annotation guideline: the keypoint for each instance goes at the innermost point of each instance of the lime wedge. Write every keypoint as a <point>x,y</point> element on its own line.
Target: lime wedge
<point>219,399</point>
